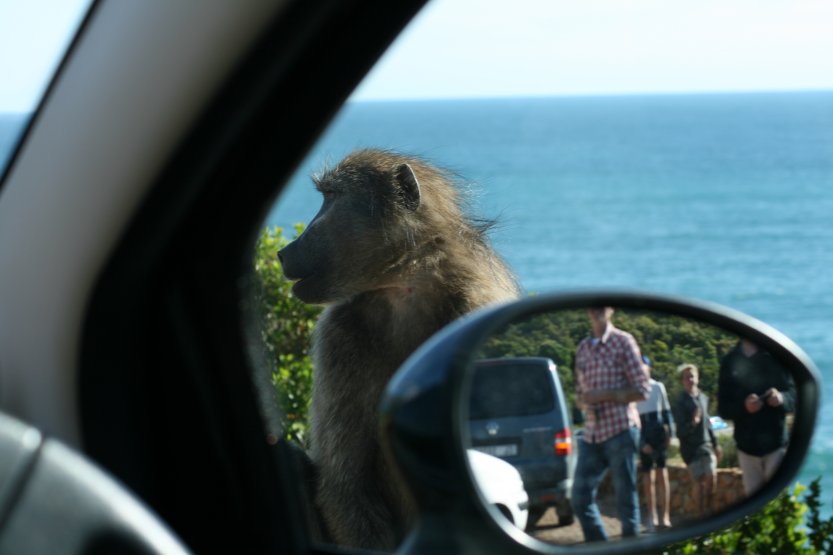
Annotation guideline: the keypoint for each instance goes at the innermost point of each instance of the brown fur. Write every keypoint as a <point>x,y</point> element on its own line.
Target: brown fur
<point>395,259</point>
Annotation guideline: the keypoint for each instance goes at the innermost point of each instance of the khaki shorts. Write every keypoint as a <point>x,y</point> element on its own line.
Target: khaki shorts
<point>703,465</point>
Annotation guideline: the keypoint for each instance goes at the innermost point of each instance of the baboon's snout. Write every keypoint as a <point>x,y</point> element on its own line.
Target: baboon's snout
<point>290,259</point>
<point>282,258</point>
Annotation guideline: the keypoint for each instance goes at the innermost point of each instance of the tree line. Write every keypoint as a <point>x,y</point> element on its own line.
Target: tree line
<point>667,339</point>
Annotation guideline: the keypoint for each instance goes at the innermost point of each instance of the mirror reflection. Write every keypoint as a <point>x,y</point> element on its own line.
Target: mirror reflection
<point>622,422</point>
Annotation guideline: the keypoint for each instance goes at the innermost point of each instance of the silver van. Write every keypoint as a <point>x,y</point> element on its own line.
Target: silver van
<point>517,412</point>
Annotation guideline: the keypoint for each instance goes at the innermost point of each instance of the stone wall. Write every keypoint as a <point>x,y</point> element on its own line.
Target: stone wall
<point>729,490</point>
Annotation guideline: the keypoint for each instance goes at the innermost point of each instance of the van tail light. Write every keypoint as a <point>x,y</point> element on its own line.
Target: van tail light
<point>563,443</point>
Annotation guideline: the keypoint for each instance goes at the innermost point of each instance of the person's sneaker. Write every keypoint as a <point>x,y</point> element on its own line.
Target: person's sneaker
<point>649,527</point>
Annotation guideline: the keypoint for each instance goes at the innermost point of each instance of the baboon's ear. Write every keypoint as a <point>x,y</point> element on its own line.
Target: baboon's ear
<point>408,186</point>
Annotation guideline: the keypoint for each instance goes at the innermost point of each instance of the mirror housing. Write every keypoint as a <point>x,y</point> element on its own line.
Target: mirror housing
<point>423,421</point>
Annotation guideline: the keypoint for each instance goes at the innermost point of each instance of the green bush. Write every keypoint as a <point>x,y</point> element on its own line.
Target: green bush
<point>729,459</point>
<point>777,528</point>
<point>820,532</point>
<point>286,325</point>
<point>786,525</point>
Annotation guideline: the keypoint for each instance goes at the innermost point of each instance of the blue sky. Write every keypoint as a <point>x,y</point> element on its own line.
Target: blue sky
<point>475,48</point>
<point>32,33</point>
<point>481,48</point>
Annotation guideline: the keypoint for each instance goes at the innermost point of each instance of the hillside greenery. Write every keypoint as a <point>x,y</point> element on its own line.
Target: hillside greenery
<point>668,340</point>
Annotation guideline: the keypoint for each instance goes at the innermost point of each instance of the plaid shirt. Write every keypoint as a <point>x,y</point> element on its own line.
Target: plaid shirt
<point>610,362</point>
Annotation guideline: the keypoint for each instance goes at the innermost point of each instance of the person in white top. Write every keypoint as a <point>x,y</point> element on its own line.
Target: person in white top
<point>657,430</point>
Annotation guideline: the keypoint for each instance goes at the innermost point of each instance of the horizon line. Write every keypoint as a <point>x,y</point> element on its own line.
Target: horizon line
<point>600,94</point>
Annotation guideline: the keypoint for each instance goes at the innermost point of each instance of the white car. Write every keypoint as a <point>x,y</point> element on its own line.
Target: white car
<point>501,486</point>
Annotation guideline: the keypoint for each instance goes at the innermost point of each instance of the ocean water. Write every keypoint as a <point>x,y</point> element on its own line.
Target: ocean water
<point>724,197</point>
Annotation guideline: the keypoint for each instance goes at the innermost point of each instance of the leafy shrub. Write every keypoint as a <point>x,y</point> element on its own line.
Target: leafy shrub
<point>786,525</point>
<point>286,326</point>
<point>820,531</point>
<point>729,459</point>
<point>777,528</point>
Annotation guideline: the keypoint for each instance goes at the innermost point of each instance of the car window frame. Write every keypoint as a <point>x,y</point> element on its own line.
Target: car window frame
<point>190,330</point>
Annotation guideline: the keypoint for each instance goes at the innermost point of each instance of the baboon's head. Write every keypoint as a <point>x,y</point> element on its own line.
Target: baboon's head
<point>366,232</point>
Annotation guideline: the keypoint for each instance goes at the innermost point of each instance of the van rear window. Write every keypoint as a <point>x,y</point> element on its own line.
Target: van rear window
<point>510,390</point>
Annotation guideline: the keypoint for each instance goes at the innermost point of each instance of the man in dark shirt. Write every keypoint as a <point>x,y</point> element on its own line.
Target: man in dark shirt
<point>755,392</point>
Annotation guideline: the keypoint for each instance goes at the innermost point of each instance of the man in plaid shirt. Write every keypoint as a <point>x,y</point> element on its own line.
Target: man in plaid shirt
<point>610,377</point>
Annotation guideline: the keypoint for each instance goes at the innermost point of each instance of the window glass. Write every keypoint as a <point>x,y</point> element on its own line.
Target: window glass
<point>33,38</point>
<point>511,390</point>
<point>678,148</point>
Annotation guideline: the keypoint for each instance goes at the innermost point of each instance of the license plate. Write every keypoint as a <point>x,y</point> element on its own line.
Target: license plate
<point>499,450</point>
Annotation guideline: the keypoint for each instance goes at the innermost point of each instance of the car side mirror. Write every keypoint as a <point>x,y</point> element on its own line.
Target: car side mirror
<point>505,384</point>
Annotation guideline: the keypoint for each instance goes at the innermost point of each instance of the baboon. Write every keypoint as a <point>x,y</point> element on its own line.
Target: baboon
<point>393,258</point>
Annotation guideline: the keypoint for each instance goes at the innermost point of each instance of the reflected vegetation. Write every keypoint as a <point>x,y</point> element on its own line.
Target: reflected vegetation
<point>626,422</point>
